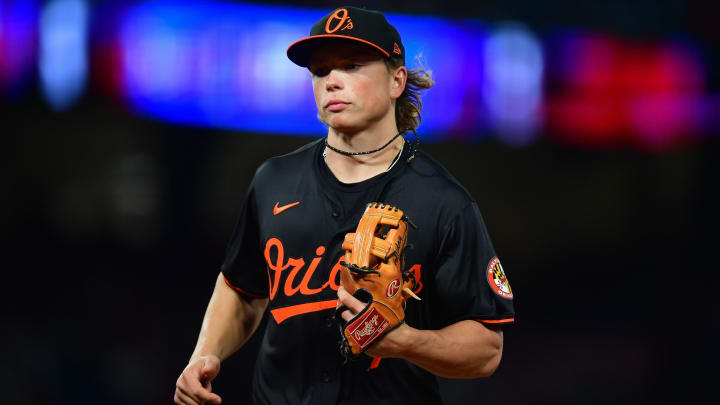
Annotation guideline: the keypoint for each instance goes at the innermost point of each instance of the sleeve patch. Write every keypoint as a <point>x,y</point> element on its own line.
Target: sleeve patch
<point>498,280</point>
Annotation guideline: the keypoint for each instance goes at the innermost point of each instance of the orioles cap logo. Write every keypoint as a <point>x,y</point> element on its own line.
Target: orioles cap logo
<point>340,15</point>
<point>396,48</point>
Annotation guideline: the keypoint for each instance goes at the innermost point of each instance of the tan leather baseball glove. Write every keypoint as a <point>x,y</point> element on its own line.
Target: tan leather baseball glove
<point>373,273</point>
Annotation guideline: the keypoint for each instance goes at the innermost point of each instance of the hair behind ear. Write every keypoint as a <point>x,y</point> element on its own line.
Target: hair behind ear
<point>409,106</point>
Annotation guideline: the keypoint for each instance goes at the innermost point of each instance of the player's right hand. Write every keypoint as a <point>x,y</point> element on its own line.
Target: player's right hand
<point>194,386</point>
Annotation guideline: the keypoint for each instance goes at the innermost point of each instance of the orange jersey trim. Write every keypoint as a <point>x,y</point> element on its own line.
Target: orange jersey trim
<point>240,290</point>
<point>508,320</point>
<point>387,55</point>
<point>375,362</point>
<point>281,314</point>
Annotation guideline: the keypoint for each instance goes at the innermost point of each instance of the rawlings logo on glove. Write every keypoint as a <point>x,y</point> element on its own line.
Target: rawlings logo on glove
<point>373,273</point>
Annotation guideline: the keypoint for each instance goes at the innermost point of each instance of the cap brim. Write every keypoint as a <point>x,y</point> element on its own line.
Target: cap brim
<point>299,52</point>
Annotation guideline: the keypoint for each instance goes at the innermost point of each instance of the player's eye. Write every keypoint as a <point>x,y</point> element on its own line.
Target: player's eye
<point>351,66</point>
<point>319,71</point>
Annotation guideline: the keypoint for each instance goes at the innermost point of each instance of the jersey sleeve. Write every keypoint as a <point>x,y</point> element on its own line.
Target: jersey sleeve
<point>471,283</point>
<point>244,266</point>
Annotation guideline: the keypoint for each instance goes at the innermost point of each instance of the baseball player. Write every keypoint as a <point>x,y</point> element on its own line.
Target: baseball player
<point>286,254</point>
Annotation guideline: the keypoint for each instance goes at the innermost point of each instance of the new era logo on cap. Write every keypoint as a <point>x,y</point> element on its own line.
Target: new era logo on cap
<point>351,24</point>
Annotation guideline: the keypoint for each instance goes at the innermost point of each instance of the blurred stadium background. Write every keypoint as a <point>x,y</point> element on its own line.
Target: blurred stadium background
<point>587,131</point>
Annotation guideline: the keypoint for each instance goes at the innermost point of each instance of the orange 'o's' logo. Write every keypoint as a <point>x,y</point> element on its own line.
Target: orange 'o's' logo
<point>341,15</point>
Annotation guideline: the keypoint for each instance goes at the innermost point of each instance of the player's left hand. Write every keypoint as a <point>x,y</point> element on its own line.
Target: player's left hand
<point>392,344</point>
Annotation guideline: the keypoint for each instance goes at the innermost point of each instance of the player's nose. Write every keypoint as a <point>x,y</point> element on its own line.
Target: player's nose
<point>333,81</point>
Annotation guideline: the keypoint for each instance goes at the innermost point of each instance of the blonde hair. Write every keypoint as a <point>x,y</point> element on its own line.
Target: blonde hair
<point>408,106</point>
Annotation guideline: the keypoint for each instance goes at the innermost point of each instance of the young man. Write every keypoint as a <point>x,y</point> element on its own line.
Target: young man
<point>285,252</point>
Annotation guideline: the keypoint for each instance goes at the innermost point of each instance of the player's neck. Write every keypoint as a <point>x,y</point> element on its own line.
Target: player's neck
<point>353,169</point>
<point>367,139</point>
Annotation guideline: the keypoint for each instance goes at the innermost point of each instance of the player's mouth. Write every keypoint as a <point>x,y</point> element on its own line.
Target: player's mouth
<point>336,105</point>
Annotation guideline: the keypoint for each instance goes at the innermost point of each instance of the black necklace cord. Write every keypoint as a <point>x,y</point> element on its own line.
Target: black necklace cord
<point>413,146</point>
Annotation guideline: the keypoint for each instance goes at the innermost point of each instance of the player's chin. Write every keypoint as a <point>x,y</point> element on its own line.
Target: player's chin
<point>342,123</point>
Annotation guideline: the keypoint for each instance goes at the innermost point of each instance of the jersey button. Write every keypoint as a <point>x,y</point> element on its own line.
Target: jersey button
<point>325,377</point>
<point>329,322</point>
<point>335,214</point>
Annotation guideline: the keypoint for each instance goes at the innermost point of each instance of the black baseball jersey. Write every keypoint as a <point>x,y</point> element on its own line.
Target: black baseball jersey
<point>287,246</point>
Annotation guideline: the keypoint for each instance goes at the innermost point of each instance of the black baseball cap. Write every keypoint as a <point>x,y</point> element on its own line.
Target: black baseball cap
<point>350,24</point>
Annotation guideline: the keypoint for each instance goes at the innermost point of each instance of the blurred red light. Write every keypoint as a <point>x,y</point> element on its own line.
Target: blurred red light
<point>613,93</point>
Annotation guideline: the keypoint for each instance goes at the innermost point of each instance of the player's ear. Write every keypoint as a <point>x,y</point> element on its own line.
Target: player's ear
<point>398,80</point>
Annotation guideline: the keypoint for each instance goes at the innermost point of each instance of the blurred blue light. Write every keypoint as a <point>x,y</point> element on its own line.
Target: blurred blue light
<point>218,64</point>
<point>224,65</point>
<point>18,27</point>
<point>512,83</point>
<point>62,58</point>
